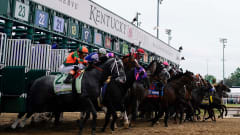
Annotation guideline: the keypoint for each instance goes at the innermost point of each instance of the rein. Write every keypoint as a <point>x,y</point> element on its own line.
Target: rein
<point>98,68</point>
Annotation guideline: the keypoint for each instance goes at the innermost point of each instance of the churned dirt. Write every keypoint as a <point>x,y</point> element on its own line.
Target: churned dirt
<point>227,126</point>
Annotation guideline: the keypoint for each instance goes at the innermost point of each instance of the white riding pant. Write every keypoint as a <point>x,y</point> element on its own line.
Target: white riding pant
<point>67,69</point>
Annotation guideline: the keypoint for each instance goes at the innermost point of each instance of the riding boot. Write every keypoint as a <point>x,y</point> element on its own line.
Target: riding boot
<point>68,79</point>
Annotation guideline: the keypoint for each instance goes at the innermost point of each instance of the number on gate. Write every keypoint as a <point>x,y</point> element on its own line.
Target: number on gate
<point>58,24</point>
<point>41,18</point>
<point>21,11</point>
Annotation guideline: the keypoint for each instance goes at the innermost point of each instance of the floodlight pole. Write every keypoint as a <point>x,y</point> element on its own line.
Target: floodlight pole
<point>223,41</point>
<point>159,2</point>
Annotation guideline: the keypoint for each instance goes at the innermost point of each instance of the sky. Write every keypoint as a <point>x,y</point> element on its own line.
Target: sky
<point>197,26</point>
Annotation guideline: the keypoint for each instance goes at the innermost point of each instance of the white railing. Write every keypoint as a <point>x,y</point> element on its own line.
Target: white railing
<point>3,42</point>
<point>40,57</point>
<point>17,52</point>
<point>57,58</point>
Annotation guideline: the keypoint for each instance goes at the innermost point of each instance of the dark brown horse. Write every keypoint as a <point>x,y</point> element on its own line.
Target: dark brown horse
<point>172,99</point>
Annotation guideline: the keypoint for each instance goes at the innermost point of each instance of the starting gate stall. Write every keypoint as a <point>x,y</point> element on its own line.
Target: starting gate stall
<point>3,40</point>
<point>39,63</point>
<point>57,58</point>
<point>16,53</point>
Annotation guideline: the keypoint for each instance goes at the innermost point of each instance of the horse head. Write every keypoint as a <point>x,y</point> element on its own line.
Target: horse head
<point>157,72</point>
<point>114,67</point>
<point>222,89</point>
<point>188,77</point>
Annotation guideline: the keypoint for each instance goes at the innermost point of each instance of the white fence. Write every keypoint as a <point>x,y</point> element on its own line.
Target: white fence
<point>57,58</point>
<point>20,52</point>
<point>40,57</point>
<point>17,52</point>
<point>3,41</point>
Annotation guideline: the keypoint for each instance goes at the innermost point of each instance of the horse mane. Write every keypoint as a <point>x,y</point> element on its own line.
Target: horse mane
<point>179,75</point>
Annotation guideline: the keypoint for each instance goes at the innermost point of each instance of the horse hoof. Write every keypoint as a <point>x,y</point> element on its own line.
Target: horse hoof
<point>21,125</point>
<point>13,126</point>
<point>126,125</point>
<point>113,132</point>
<point>166,125</point>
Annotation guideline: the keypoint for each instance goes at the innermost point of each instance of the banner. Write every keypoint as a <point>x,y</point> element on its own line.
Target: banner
<point>73,30</point>
<point>125,49</point>
<point>117,46</point>
<point>86,35</point>
<point>98,39</point>
<point>96,16</point>
<point>108,42</point>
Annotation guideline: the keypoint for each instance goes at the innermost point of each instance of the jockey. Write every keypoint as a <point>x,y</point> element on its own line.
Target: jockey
<point>135,57</point>
<point>74,61</point>
<point>166,65</point>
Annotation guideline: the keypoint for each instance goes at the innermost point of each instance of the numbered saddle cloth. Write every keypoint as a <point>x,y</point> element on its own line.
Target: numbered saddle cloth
<point>152,91</point>
<point>207,100</point>
<point>62,88</point>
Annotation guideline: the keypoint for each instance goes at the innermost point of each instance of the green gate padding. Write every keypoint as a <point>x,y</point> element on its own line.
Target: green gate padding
<point>13,104</point>
<point>13,80</point>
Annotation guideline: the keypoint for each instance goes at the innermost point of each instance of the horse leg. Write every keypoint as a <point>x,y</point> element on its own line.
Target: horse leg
<point>114,116</point>
<point>82,123</point>
<point>17,121</point>
<point>225,108</point>
<point>57,118</point>
<point>126,121</point>
<point>181,114</point>
<point>166,117</point>
<point>204,114</point>
<point>107,119</point>
<point>94,115</point>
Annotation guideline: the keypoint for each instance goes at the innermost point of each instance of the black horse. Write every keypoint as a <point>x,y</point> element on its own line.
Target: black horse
<point>220,92</point>
<point>42,98</point>
<point>114,98</point>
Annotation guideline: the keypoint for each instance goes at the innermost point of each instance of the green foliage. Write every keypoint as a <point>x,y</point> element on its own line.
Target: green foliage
<point>234,79</point>
<point>210,78</point>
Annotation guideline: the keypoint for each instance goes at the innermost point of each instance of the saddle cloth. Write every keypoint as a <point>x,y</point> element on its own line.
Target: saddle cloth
<point>62,88</point>
<point>152,92</point>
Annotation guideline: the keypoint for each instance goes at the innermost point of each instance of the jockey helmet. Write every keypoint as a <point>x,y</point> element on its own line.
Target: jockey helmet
<point>110,55</point>
<point>102,51</point>
<point>165,63</point>
<point>140,50</point>
<point>82,49</point>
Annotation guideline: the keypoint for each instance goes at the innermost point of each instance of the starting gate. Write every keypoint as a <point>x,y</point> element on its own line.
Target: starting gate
<point>23,63</point>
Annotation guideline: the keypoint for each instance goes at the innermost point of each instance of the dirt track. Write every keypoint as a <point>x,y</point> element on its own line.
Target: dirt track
<point>225,126</point>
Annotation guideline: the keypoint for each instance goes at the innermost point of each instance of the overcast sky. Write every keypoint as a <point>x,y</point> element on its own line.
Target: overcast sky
<point>197,25</point>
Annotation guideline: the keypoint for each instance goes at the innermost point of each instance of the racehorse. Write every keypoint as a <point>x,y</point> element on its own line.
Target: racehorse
<point>172,98</point>
<point>158,77</point>
<point>114,98</point>
<point>42,98</point>
<point>221,90</point>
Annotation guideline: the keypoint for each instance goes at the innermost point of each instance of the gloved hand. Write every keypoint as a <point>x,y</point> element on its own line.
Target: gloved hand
<point>75,68</point>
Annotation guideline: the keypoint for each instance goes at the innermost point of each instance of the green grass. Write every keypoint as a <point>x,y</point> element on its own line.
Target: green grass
<point>232,105</point>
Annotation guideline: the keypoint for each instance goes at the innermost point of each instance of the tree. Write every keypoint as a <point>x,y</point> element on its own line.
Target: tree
<point>210,78</point>
<point>234,79</point>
